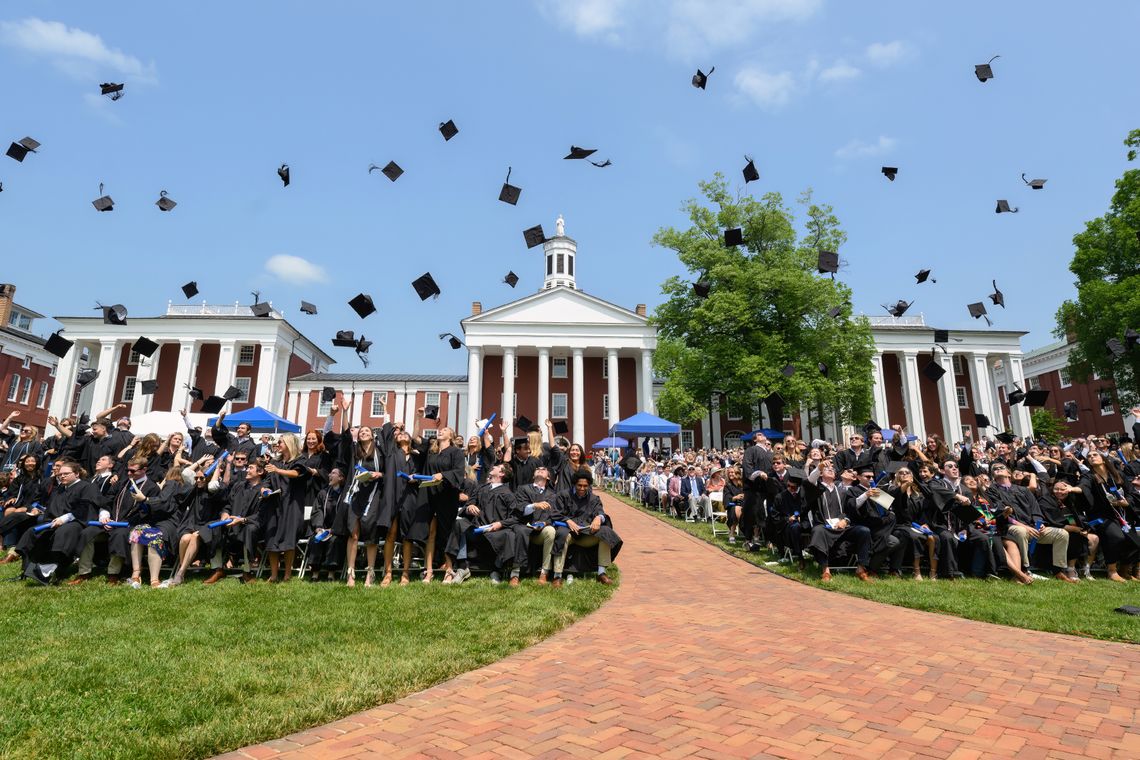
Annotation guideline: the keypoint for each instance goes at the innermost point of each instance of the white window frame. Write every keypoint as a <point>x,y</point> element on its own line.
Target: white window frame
<point>14,388</point>
<point>1064,378</point>
<point>558,400</point>
<point>558,368</point>
<point>26,396</point>
<point>41,398</point>
<point>252,352</point>
<point>963,399</point>
<point>605,368</point>
<point>429,433</point>
<point>129,390</point>
<point>728,411</point>
<point>243,384</point>
<point>377,396</point>
<point>134,357</point>
<point>324,407</point>
<point>967,431</point>
<point>27,361</point>
<point>688,441</point>
<point>1033,383</point>
<point>605,406</point>
<point>432,398</point>
<point>732,439</point>
<point>959,363</point>
<point>52,372</point>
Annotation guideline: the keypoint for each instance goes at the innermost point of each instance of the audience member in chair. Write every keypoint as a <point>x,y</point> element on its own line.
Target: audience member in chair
<point>832,525</point>
<point>695,495</point>
<point>861,506</point>
<point>71,504</point>
<point>589,525</point>
<point>1020,520</point>
<point>533,504</point>
<point>789,516</point>
<point>127,505</point>
<point>492,517</point>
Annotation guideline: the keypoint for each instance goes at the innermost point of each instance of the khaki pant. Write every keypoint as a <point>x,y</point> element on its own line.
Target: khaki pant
<point>583,540</point>
<point>546,538</point>
<point>1056,536</point>
<point>87,558</point>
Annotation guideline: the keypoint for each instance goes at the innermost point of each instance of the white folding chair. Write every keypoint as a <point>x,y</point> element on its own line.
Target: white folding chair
<point>302,555</point>
<point>719,514</point>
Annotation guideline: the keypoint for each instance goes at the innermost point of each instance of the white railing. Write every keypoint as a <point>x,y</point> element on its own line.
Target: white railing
<point>213,310</point>
<point>918,321</point>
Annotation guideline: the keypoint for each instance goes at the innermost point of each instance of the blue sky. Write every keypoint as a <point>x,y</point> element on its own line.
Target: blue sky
<point>820,94</point>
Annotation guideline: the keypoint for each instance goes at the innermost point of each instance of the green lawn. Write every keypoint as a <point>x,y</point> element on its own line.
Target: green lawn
<point>1086,609</point>
<point>101,672</point>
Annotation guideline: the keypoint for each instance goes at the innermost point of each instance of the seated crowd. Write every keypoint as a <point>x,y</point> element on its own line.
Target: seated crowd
<point>224,500</point>
<point>884,503</point>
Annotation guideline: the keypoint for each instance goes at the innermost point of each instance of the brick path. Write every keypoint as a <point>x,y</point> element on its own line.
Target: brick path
<point>674,666</point>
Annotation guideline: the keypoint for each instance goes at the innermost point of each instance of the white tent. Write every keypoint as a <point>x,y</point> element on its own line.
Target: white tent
<point>165,423</point>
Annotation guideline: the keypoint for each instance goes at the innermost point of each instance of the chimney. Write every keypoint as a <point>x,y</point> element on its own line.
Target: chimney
<point>476,308</point>
<point>7,294</point>
<point>640,310</point>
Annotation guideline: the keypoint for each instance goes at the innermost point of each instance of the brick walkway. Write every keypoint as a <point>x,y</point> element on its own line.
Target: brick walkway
<point>673,666</point>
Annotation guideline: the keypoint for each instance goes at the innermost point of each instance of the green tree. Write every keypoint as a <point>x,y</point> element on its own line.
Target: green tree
<point>1107,266</point>
<point>1046,424</point>
<point>767,309</point>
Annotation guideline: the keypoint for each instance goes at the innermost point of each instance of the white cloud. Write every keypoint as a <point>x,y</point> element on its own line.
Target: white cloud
<point>764,88</point>
<point>77,53</point>
<point>859,149</point>
<point>840,71</point>
<point>590,18</point>
<point>887,53</point>
<point>295,269</point>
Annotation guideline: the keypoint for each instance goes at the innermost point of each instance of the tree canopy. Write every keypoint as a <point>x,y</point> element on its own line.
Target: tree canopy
<point>1107,266</point>
<point>767,308</point>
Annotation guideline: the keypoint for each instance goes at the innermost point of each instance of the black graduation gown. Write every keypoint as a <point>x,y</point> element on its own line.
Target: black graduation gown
<point>81,501</point>
<point>92,449</point>
<point>200,509</point>
<point>1117,544</point>
<point>369,515</point>
<point>530,494</point>
<point>18,449</point>
<point>244,499</point>
<point>284,517</point>
<point>401,495</point>
<point>880,521</point>
<point>231,443</point>
<point>123,508</point>
<point>443,497</point>
<point>329,502</point>
<point>583,511</point>
<point>27,491</point>
<point>496,504</point>
<point>825,506</point>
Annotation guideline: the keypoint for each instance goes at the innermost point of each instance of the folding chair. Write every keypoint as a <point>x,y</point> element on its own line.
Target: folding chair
<point>303,545</point>
<point>719,514</point>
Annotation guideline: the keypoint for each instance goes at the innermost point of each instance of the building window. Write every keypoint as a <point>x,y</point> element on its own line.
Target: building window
<point>732,439</point>
<point>1106,407</point>
<point>733,410</point>
<point>561,263</point>
<point>959,362</point>
<point>379,403</point>
<point>1033,383</point>
<point>967,431</point>
<point>429,433</point>
<point>1063,374</point>
<point>550,264</point>
<point>962,402</point>
<point>27,362</point>
<point>14,388</point>
<point>20,321</point>
<point>605,406</point>
<point>41,399</point>
<point>606,368</point>
<point>52,372</point>
<point>133,358</point>
<point>558,405</point>
<point>559,367</point>
<point>27,394</point>
<point>242,384</point>
<point>323,408</point>
<point>129,390</point>
<point>570,265</point>
<point>246,354</point>
<point>686,439</point>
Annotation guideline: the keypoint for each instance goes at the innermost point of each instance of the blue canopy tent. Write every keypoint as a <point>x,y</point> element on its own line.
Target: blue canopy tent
<point>771,435</point>
<point>611,443</point>
<point>644,423</point>
<point>260,421</point>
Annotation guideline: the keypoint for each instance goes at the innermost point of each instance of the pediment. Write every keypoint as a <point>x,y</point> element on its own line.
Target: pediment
<point>558,305</point>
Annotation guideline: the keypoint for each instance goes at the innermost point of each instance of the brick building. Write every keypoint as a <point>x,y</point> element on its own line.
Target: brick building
<point>27,371</point>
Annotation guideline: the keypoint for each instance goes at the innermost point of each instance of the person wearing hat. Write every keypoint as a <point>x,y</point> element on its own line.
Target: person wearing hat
<point>788,516</point>
<point>834,527</point>
<point>589,525</point>
<point>1020,520</point>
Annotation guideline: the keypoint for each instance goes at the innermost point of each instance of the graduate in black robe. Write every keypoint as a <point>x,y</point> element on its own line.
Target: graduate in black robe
<point>411,515</point>
<point>28,490</point>
<point>789,518</point>
<point>369,517</point>
<point>243,503</point>
<point>864,510</point>
<point>909,508</point>
<point>124,505</point>
<point>1113,515</point>
<point>445,465</point>
<point>489,519</point>
<point>534,505</point>
<point>755,467</point>
<point>589,525</point>
<point>71,504</point>
<point>327,554</point>
<point>832,526</point>
<point>282,527</point>
<point>199,507</point>
<point>240,440</point>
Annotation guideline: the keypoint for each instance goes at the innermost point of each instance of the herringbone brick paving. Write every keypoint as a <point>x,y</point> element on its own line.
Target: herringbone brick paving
<point>699,654</point>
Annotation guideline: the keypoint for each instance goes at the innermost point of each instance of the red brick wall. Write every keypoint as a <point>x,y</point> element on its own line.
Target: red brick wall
<point>125,370</point>
<point>526,389</point>
<point>492,387</point>
<point>1089,418</point>
<point>298,366</point>
<point>206,372</point>
<point>931,408</point>
<point>968,413</point>
<point>167,369</point>
<point>892,389</point>
<point>30,414</point>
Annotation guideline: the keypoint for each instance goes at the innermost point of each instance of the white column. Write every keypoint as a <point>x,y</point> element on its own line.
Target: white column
<point>579,398</point>
<point>543,387</point>
<point>474,388</point>
<point>462,414</point>
<point>63,386</point>
<point>148,370</point>
<point>227,365</point>
<point>399,409</point>
<point>508,384</point>
<point>280,381</point>
<point>948,400</point>
<point>410,407</point>
<point>982,386</point>
<point>1019,413</point>
<point>104,385</point>
<point>806,432</point>
<point>717,440</point>
<point>638,371</point>
<point>612,371</point>
<point>266,374</point>
<point>184,375</point>
<point>453,412</point>
<point>357,406</point>
<point>879,412</point>
<point>915,424</point>
<point>294,401</point>
<point>647,404</point>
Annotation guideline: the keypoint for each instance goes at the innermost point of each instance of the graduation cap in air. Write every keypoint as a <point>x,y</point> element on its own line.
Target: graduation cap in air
<point>835,311</point>
<point>981,420</point>
<point>933,371</point>
<point>560,427</point>
<point>213,405</point>
<point>1071,411</point>
<point>448,129</point>
<point>700,79</point>
<point>871,427</point>
<point>362,347</point>
<point>511,279</point>
<point>983,71</point>
<point>828,262</point>
<point>86,376</point>
<point>190,289</point>
<point>602,164</point>
<point>233,393</point>
<point>194,393</point>
<point>941,336</point>
<point>1036,397</point>
<point>362,305</point>
<point>454,341</point>
<point>733,236</point>
<point>979,310</point>
<point>922,276</point>
<point>283,173</point>
<point>114,91</point>
<point>261,309</point>
<point>103,202</point>
<point>510,193</point>
<point>164,203</point>
<point>57,345</point>
<point>1003,208</point>
<point>391,170</point>
<point>431,412</point>
<point>523,422</point>
<point>114,315</point>
<point>788,370</point>
<point>889,172</point>
<point>328,393</point>
<point>701,288</point>
<point>1036,184</point>
<point>19,149</point>
<point>576,153</point>
<point>898,309</point>
<point>750,173</point>
<point>148,387</point>
<point>997,296</point>
<point>1016,396</point>
<point>534,236</point>
<point>308,308</point>
<point>145,346</point>
<point>824,369</point>
<point>1115,347</point>
<point>1005,437</point>
<point>425,286</point>
<point>345,339</point>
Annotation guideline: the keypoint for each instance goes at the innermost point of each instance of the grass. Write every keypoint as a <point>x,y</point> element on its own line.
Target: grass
<point>102,672</point>
<point>1086,609</point>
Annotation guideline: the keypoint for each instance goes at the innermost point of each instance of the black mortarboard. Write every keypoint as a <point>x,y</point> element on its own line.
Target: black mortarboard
<point>195,393</point>
<point>733,236</point>
<point>1036,184</point>
<point>112,89</point>
<point>560,427</point>
<point>750,173</point>
<point>933,371</point>
<point>431,412</point>
<point>835,311</point>
<point>534,236</point>
<point>520,440</point>
<point>978,310</point>
<point>824,369</point>
<point>1036,398</point>
<point>1005,437</point>
<point>58,345</point>
<point>788,370</point>
<point>1115,347</point>
<point>941,336</point>
<point>889,172</point>
<point>922,276</point>
<point>283,173</point>
<point>362,305</point>
<point>1016,396</point>
<point>700,79</point>
<point>233,393</point>
<point>344,339</point>
<point>114,315</point>
<point>510,193</point>
<point>864,467</point>
<point>981,420</point>
<point>454,341</point>
<point>86,377</point>
<point>576,152</point>
<point>328,393</point>
<point>898,309</point>
<point>190,289</point>
<point>425,286</point>
<point>103,202</point>
<point>1071,411</point>
<point>308,308</point>
<point>701,288</point>
<point>448,129</point>
<point>148,387</point>
<point>524,422</point>
<point>1003,208</point>
<point>164,203</point>
<point>145,346</point>
<point>213,405</point>
<point>261,309</point>
<point>362,346</point>
<point>871,426</point>
<point>392,171</point>
<point>997,296</point>
<point>983,71</point>
<point>795,474</point>
<point>511,279</point>
<point>21,148</point>
<point>967,513</point>
<point>828,262</point>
